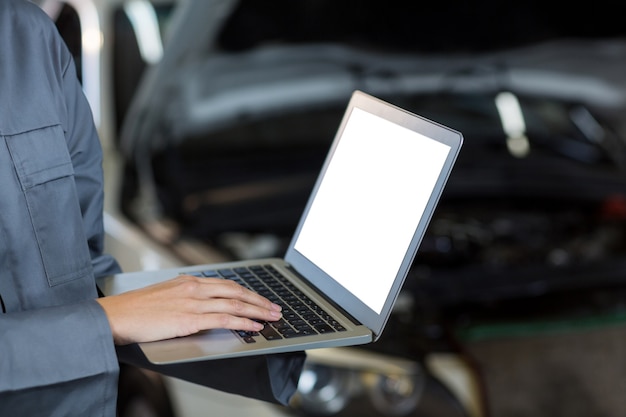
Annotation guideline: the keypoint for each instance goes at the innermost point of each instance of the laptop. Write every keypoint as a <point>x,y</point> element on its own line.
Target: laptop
<point>353,246</point>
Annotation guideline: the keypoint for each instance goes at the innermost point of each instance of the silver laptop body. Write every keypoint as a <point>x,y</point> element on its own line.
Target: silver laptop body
<point>354,244</point>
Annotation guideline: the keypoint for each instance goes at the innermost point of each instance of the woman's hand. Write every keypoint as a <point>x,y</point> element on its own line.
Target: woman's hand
<point>182,306</point>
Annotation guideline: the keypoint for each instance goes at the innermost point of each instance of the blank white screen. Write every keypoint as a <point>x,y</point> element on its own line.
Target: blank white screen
<point>369,204</point>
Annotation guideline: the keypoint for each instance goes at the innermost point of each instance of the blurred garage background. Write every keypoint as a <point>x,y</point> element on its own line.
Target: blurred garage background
<point>215,116</point>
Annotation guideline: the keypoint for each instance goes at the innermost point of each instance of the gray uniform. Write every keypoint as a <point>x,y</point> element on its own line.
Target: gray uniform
<point>57,356</point>
<point>56,348</point>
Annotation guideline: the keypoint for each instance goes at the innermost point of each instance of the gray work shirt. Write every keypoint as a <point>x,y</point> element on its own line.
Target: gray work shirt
<point>57,356</point>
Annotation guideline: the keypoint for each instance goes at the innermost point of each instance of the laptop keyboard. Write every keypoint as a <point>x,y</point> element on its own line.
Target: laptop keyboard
<point>301,315</point>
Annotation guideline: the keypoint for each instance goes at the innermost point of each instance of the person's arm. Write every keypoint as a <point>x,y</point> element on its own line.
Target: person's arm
<point>181,306</point>
<point>86,153</point>
<point>56,353</point>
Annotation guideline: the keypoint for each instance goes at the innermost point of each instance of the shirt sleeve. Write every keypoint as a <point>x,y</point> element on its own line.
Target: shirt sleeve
<point>86,153</point>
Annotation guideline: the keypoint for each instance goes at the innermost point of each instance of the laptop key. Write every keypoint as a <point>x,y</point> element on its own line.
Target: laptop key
<point>324,328</point>
<point>306,331</point>
<point>280,324</point>
<point>293,334</point>
<point>269,333</point>
<point>288,333</point>
<point>247,337</point>
<point>227,273</point>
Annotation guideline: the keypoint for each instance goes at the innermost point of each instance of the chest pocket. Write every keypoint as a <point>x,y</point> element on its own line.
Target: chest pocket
<point>44,169</point>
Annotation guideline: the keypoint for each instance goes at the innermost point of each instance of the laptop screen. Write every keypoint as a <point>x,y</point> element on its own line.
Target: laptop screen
<point>369,203</point>
<point>371,206</point>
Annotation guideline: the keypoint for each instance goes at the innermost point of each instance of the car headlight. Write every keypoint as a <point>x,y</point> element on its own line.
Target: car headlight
<point>336,380</point>
<point>323,390</point>
<point>396,395</point>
